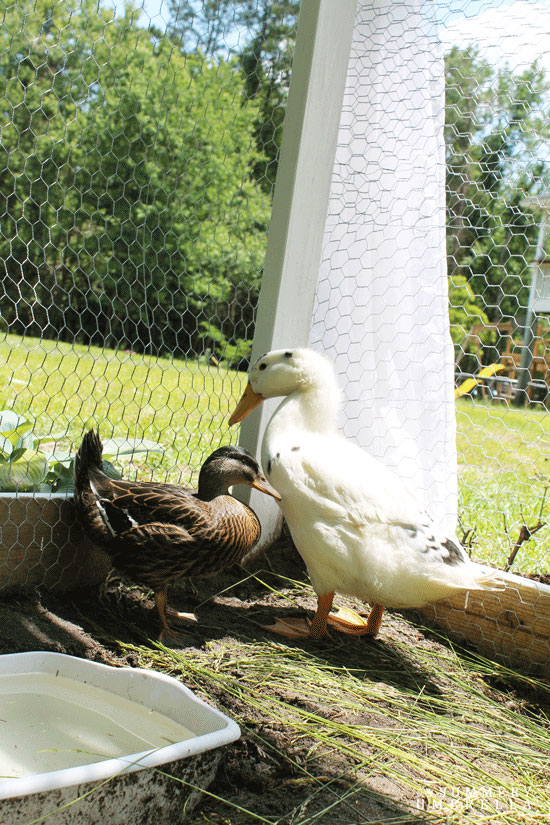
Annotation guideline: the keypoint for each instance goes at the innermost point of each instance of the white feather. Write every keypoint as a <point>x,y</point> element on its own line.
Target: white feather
<point>358,527</point>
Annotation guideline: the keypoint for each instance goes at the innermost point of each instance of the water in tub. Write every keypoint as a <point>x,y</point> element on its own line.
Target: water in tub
<point>48,723</point>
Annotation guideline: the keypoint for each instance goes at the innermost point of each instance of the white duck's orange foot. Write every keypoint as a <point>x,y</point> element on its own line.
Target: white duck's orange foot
<point>350,622</point>
<point>345,620</point>
<point>304,629</point>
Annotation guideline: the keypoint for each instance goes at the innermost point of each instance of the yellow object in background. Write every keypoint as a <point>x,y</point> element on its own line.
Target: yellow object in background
<point>468,385</point>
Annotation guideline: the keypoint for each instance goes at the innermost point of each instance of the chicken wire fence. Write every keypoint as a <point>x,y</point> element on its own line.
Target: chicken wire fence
<point>139,154</point>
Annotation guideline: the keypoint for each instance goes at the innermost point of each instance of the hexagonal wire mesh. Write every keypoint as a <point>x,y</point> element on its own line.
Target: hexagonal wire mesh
<point>139,152</point>
<point>139,155</point>
<point>496,137</point>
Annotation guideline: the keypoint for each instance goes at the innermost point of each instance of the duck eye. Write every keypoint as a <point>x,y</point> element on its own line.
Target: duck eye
<point>262,366</point>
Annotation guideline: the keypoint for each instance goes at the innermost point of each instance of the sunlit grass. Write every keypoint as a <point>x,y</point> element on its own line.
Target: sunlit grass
<point>514,438</point>
<point>183,405</point>
<point>463,753</point>
<point>504,468</point>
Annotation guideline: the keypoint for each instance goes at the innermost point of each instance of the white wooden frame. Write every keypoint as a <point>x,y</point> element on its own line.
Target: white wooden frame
<point>542,204</point>
<point>300,203</point>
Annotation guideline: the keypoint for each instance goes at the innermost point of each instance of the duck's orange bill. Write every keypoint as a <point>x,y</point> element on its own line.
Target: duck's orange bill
<point>262,485</point>
<point>249,401</point>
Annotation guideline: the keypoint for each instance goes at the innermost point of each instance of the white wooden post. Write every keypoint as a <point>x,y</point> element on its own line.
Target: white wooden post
<point>535,304</point>
<point>300,202</point>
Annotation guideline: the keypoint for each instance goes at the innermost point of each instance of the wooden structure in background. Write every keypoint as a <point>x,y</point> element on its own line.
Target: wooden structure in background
<point>539,291</point>
<point>511,353</point>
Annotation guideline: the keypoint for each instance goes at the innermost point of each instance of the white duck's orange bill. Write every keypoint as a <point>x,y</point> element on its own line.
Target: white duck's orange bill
<point>249,401</point>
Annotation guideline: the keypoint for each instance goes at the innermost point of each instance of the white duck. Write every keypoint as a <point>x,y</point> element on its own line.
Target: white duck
<point>357,526</point>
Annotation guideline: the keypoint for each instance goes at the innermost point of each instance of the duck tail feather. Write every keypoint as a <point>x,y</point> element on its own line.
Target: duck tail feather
<point>88,458</point>
<point>490,578</point>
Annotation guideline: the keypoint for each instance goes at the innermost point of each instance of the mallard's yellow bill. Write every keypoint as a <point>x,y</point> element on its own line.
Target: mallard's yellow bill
<point>249,401</point>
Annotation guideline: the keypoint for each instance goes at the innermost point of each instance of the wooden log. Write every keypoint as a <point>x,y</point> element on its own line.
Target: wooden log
<point>512,626</point>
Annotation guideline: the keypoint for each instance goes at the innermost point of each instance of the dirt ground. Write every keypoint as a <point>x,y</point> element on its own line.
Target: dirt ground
<point>263,771</point>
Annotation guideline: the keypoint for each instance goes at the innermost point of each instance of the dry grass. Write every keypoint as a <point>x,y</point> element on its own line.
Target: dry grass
<point>409,720</point>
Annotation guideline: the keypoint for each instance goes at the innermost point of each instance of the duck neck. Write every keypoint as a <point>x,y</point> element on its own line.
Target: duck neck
<point>313,408</point>
<point>212,485</point>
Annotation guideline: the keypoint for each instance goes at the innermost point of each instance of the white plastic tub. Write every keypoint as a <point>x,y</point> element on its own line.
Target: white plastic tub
<point>71,722</point>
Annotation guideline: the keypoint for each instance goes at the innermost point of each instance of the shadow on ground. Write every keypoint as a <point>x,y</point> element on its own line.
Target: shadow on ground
<point>270,775</point>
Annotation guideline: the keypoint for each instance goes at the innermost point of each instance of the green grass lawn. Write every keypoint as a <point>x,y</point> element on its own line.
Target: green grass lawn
<point>183,405</point>
<point>503,466</point>
<point>503,453</point>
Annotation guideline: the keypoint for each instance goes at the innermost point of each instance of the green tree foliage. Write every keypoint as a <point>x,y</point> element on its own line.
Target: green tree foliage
<point>261,34</point>
<point>493,126</point>
<point>131,212</point>
<point>41,86</point>
<point>136,168</point>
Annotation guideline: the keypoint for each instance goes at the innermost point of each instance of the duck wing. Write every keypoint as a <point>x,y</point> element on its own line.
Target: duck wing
<point>349,489</point>
<point>157,553</point>
<point>348,482</point>
<point>125,504</point>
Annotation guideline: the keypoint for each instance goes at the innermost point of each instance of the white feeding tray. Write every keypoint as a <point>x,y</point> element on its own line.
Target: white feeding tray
<point>66,721</point>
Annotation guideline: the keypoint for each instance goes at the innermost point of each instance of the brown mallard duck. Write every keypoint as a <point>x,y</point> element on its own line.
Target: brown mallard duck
<point>156,533</point>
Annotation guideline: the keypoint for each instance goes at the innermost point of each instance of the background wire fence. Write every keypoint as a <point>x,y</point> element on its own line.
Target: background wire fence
<point>139,151</point>
<point>138,159</point>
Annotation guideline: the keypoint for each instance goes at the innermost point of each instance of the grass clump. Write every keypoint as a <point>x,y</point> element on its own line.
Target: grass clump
<point>368,724</point>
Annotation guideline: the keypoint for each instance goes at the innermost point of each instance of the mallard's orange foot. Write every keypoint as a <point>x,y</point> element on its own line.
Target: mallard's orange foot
<point>292,628</point>
<point>171,638</point>
<point>189,618</point>
<point>350,622</point>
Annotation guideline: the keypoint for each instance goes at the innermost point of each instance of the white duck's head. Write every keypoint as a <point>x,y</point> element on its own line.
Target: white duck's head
<point>301,372</point>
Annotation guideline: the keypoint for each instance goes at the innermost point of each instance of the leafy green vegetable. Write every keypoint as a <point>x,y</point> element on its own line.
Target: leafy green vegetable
<point>23,467</point>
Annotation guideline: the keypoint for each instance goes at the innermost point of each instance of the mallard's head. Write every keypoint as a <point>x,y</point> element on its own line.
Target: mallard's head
<point>227,466</point>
